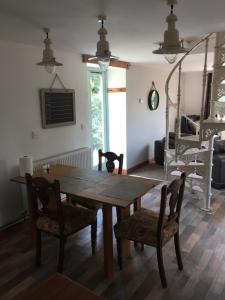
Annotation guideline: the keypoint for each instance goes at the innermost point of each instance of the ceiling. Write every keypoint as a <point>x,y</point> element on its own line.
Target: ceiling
<point>133,26</point>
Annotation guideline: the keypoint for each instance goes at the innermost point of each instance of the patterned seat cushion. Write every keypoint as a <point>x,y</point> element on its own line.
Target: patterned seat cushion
<point>86,203</point>
<point>75,218</point>
<point>142,227</point>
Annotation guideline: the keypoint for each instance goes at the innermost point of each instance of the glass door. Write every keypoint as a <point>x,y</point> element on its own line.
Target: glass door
<point>98,112</point>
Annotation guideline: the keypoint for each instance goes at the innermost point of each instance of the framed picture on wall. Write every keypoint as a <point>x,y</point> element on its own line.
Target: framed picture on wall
<point>57,107</point>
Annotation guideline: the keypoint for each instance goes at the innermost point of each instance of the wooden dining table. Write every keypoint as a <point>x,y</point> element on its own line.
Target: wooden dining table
<point>111,190</point>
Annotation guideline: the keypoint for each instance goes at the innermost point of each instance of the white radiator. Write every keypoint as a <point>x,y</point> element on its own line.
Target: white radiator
<point>78,158</point>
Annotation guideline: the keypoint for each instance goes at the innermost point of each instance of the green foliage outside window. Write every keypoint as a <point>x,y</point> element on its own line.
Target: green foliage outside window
<point>96,112</point>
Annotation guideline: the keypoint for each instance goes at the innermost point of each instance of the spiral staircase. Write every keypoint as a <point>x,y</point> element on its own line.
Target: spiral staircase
<point>193,154</point>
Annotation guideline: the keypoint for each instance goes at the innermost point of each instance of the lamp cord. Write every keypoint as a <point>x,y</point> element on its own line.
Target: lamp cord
<point>171,9</point>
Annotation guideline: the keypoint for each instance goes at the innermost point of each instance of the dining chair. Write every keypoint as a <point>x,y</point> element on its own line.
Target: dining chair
<point>110,157</point>
<point>54,217</point>
<point>155,229</point>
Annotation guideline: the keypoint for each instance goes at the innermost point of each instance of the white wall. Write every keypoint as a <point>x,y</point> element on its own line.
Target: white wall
<point>192,92</point>
<point>20,80</point>
<point>143,125</point>
<point>117,112</point>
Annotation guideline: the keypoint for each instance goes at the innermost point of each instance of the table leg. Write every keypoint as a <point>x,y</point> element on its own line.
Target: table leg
<point>137,206</point>
<point>108,240</point>
<point>123,213</point>
<point>32,222</point>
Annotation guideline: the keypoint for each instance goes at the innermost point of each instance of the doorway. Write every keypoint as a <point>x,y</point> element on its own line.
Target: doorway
<point>99,112</point>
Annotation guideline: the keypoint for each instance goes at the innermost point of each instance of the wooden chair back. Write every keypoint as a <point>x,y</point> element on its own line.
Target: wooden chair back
<point>44,198</point>
<point>110,161</point>
<point>171,198</point>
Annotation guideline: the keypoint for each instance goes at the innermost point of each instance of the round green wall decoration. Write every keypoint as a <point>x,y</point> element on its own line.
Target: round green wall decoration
<point>153,98</point>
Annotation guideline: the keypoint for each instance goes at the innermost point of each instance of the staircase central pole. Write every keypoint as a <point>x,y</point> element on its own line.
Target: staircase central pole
<point>209,155</point>
<point>208,178</point>
<point>167,136</point>
<point>178,120</point>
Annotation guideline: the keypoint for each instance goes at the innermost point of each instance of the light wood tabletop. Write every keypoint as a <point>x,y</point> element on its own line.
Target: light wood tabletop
<point>108,189</point>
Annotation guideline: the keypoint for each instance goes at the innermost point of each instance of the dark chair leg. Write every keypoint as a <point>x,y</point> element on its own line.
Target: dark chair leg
<point>177,249</point>
<point>142,247</point>
<point>93,236</point>
<point>38,248</point>
<point>119,253</point>
<point>161,267</point>
<point>62,241</point>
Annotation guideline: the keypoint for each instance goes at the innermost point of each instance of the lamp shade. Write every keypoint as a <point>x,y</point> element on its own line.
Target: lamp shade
<point>103,53</point>
<point>171,44</point>
<point>48,59</point>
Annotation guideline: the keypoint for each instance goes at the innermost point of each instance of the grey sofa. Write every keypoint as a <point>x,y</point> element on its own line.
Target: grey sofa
<point>218,170</point>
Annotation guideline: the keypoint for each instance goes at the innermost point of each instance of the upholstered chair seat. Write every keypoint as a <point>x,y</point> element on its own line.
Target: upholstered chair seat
<point>75,218</point>
<point>142,227</point>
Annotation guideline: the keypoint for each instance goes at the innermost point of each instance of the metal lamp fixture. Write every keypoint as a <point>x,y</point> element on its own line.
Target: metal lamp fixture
<point>103,54</point>
<point>172,45</point>
<point>48,60</point>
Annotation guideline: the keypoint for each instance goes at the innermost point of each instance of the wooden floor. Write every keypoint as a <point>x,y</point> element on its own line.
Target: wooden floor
<point>203,251</point>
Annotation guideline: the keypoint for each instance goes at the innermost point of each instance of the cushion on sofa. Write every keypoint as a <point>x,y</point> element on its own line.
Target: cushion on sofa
<point>219,146</point>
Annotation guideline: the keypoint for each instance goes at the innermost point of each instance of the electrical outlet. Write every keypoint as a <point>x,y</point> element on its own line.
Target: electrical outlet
<point>82,126</point>
<point>34,135</point>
